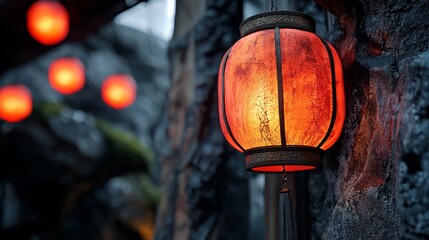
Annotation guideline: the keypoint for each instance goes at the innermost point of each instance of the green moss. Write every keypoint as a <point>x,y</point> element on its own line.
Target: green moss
<point>150,191</point>
<point>47,110</point>
<point>124,151</point>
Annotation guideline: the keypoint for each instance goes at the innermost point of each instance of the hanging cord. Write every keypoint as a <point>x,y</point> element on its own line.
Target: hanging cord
<point>273,6</point>
<point>284,179</point>
<point>287,223</point>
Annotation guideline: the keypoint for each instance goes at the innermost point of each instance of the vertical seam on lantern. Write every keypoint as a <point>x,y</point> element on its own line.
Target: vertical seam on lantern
<point>334,94</point>
<point>225,119</point>
<point>280,86</point>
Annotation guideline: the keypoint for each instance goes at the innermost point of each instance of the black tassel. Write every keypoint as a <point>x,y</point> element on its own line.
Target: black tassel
<point>286,217</point>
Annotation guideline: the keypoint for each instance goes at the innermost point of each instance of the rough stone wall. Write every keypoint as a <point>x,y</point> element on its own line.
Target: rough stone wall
<point>374,184</point>
<point>414,150</point>
<point>205,191</point>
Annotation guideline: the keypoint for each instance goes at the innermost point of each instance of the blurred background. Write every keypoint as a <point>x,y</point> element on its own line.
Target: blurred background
<point>109,126</point>
<point>77,168</point>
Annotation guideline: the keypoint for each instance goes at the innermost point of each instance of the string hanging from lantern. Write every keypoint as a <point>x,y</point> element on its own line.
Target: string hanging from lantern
<point>287,223</point>
<point>273,6</point>
<point>284,178</point>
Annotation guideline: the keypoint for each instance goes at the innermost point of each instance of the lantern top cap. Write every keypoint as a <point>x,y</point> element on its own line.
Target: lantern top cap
<point>281,19</point>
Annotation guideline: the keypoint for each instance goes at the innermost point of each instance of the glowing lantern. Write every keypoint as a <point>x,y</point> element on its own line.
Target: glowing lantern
<point>15,103</point>
<point>119,91</point>
<point>281,93</point>
<point>67,75</point>
<point>48,22</point>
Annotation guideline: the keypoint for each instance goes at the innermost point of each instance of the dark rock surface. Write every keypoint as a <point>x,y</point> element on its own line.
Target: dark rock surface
<point>374,181</point>
<point>77,169</point>
<point>205,190</point>
<point>414,150</point>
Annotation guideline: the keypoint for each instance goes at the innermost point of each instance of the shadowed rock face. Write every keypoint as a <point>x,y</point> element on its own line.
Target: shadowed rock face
<point>374,182</point>
<point>414,150</point>
<point>204,182</point>
<point>77,169</point>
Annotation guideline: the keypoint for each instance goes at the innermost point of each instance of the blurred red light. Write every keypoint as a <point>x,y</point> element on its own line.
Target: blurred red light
<point>48,22</point>
<point>67,75</point>
<point>119,91</point>
<point>16,103</point>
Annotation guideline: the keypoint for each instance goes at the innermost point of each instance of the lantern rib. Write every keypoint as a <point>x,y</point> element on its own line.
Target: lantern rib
<point>225,118</point>
<point>334,93</point>
<point>280,86</point>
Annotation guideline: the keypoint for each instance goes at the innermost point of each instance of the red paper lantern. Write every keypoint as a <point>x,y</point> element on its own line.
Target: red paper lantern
<point>48,22</point>
<point>281,93</point>
<point>119,91</point>
<point>15,103</point>
<point>67,75</point>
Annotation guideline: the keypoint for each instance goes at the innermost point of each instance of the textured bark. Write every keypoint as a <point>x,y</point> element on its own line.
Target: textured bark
<point>205,187</point>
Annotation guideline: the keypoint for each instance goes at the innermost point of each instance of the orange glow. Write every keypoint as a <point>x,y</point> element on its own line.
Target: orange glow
<point>119,91</point>
<point>252,106</point>
<point>48,22</point>
<point>67,75</point>
<point>15,103</point>
<point>341,103</point>
<point>251,95</point>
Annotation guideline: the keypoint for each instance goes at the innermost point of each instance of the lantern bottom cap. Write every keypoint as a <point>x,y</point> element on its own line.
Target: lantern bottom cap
<point>292,158</point>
